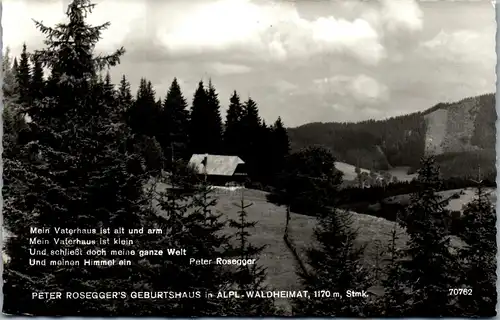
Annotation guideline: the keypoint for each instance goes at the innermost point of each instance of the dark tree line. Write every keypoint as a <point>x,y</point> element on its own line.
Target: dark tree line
<point>182,131</point>
<point>397,141</point>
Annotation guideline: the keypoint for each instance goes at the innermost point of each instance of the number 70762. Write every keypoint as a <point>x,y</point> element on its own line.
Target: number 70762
<point>460,292</point>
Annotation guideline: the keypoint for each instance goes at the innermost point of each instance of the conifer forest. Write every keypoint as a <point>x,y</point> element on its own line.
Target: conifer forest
<point>117,201</point>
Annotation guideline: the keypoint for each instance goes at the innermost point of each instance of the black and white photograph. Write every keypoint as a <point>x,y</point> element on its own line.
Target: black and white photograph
<point>249,158</point>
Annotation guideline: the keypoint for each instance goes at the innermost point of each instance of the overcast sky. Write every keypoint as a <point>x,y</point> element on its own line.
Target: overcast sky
<point>305,61</point>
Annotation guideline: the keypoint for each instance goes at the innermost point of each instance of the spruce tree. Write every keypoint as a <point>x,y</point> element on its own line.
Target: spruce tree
<point>194,225</point>
<point>175,118</point>
<point>479,258</point>
<point>24,77</point>
<point>250,277</point>
<point>51,88</point>
<point>205,127</point>
<point>432,268</point>
<point>109,87</point>
<point>281,137</point>
<point>251,137</point>
<point>13,120</point>
<point>280,147</point>
<point>80,176</point>
<point>393,302</point>
<point>233,130</point>
<point>124,95</point>
<point>199,129</point>
<point>15,66</point>
<point>214,120</point>
<point>104,90</point>
<point>336,267</point>
<point>37,84</point>
<point>9,85</point>
<point>109,91</point>
<point>251,114</point>
<point>309,182</point>
<point>143,116</point>
<point>124,92</point>
<point>265,155</point>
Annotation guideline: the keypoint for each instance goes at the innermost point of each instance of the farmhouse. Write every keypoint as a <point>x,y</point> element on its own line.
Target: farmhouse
<point>219,170</point>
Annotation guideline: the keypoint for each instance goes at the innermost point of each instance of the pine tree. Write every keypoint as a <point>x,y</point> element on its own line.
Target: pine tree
<point>15,66</point>
<point>282,139</point>
<point>13,120</point>
<point>108,90</point>
<point>265,155</point>
<point>214,120</point>
<point>24,77</point>
<point>205,127</point>
<point>196,140</point>
<point>37,84</point>
<point>251,137</point>
<point>393,302</point>
<point>144,114</point>
<point>80,176</point>
<point>143,117</point>
<point>280,147</point>
<point>233,130</point>
<point>193,224</point>
<point>479,257</point>
<point>251,114</point>
<point>51,88</point>
<point>9,86</point>
<point>104,90</point>
<point>175,119</point>
<point>109,87</point>
<point>432,267</point>
<point>125,98</point>
<point>250,277</point>
<point>336,267</point>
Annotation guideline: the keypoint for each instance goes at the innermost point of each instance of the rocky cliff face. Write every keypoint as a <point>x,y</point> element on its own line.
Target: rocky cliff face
<point>456,127</point>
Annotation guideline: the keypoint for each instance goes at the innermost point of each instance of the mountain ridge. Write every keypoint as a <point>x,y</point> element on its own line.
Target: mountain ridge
<point>460,134</point>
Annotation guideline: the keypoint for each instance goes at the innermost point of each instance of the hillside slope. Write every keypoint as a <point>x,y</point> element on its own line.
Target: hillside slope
<point>277,258</point>
<point>373,234</point>
<point>463,129</point>
<point>271,226</point>
<point>456,204</point>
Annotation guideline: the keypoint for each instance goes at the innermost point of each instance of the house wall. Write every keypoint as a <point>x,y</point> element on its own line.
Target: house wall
<point>223,180</point>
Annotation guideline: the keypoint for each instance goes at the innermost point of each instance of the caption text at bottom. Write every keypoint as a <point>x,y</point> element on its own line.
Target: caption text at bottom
<point>90,295</point>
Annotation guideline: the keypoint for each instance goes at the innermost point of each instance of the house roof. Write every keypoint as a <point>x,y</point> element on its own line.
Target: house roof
<point>216,164</point>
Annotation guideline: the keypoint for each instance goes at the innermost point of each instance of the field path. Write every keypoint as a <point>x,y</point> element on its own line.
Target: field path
<point>269,231</point>
<point>277,258</point>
